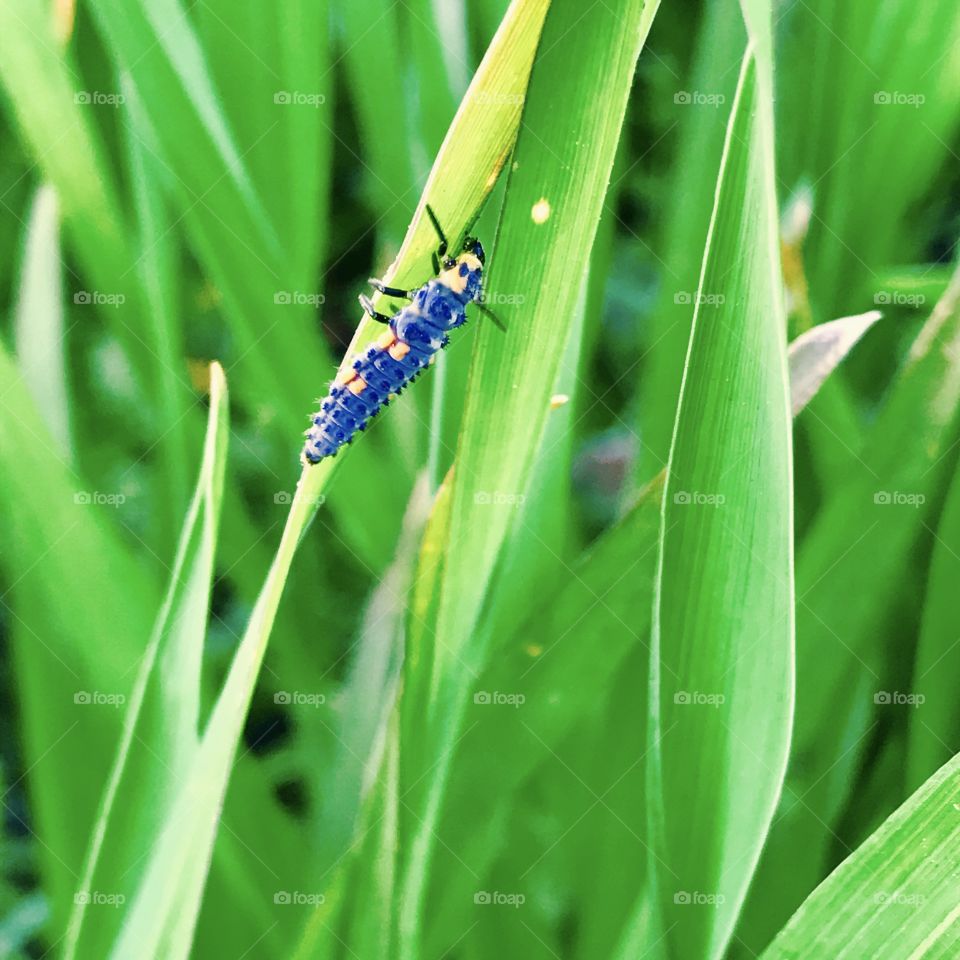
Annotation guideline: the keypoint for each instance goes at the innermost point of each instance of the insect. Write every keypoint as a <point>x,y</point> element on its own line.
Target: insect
<point>412,338</point>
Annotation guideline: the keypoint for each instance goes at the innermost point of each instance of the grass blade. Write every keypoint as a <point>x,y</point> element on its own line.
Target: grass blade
<point>815,354</point>
<point>723,621</point>
<point>554,195</point>
<point>40,329</point>
<point>160,726</point>
<point>895,896</point>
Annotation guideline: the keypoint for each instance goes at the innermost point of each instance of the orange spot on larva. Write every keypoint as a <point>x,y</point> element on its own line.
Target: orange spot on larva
<point>399,350</point>
<point>345,376</point>
<point>357,385</point>
<point>386,340</point>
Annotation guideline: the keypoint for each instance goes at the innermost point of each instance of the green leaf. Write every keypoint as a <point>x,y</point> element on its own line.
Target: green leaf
<point>700,130</point>
<point>160,735</point>
<point>722,665</point>
<point>815,354</point>
<point>557,181</point>
<point>40,332</point>
<point>895,897</point>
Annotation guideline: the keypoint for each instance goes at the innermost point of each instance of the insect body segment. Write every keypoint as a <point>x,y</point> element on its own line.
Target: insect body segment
<point>401,353</point>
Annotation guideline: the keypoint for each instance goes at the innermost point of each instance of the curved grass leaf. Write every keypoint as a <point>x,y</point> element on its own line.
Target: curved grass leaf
<point>722,668</point>
<point>701,131</point>
<point>39,331</point>
<point>895,897</point>
<point>815,354</point>
<point>160,726</point>
<point>161,913</point>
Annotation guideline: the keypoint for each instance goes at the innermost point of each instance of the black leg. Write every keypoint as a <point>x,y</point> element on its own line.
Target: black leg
<point>390,291</point>
<point>487,312</point>
<point>371,310</point>
<point>442,249</point>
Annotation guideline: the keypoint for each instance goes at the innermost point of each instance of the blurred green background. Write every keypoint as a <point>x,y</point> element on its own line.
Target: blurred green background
<point>189,182</point>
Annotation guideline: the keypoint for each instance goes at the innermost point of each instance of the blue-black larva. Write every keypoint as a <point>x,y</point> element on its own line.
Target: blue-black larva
<point>404,350</point>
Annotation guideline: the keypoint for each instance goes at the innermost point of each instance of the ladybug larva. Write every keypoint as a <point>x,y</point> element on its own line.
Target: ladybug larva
<point>405,348</point>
